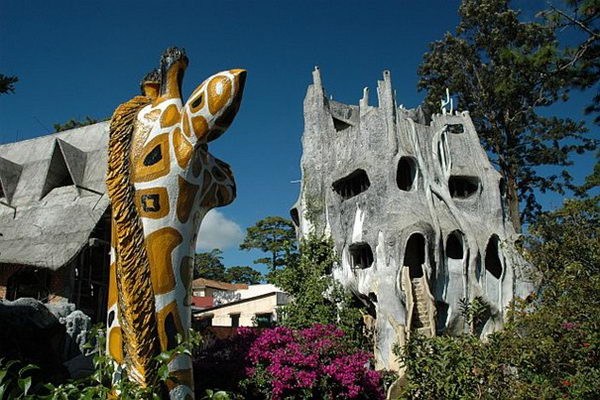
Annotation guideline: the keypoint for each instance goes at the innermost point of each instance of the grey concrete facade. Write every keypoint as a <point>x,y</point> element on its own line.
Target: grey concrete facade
<point>416,211</point>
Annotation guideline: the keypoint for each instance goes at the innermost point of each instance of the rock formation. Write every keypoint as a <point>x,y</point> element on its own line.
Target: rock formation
<point>416,211</point>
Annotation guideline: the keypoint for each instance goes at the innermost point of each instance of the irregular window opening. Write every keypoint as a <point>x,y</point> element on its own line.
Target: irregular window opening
<point>295,216</point>
<point>235,320</point>
<point>58,174</point>
<point>406,173</point>
<point>414,255</point>
<point>340,125</point>
<point>372,305</point>
<point>462,187</point>
<point>352,185</point>
<point>454,246</point>
<point>492,258</point>
<point>2,195</point>
<point>455,128</point>
<point>502,187</point>
<point>361,255</point>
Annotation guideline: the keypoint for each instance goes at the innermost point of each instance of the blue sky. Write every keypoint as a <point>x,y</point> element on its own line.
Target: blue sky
<point>78,58</point>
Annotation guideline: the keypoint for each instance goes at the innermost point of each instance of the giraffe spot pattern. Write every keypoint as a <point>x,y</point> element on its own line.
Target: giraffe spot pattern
<point>112,285</point>
<point>186,270</point>
<point>152,115</point>
<point>152,203</point>
<point>200,127</point>
<point>183,148</point>
<point>115,347</point>
<point>160,244</point>
<point>186,124</point>
<point>185,200</point>
<point>169,324</point>
<point>170,116</point>
<point>219,92</point>
<point>145,173</point>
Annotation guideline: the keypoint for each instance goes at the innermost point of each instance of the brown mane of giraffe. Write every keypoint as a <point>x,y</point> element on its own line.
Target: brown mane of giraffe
<point>136,303</point>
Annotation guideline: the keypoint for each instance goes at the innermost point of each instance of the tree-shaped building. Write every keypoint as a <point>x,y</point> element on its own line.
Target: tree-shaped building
<point>416,211</point>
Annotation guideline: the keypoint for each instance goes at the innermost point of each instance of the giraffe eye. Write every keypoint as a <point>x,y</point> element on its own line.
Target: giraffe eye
<point>197,102</point>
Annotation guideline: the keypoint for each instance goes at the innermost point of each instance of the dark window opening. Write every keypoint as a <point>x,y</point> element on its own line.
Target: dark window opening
<point>462,187</point>
<point>414,255</point>
<point>361,255</point>
<point>352,185</point>
<point>406,173</point>
<point>58,174</point>
<point>264,320</point>
<point>340,125</point>
<point>28,283</point>
<point>502,187</point>
<point>454,246</point>
<point>455,128</point>
<point>235,320</point>
<point>295,216</point>
<point>372,305</point>
<point>441,316</point>
<point>1,192</point>
<point>492,258</point>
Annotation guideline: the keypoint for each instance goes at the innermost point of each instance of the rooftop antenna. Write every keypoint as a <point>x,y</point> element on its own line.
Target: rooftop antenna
<point>447,101</point>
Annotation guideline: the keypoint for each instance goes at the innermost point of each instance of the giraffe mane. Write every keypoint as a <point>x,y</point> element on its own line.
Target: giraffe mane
<point>135,295</point>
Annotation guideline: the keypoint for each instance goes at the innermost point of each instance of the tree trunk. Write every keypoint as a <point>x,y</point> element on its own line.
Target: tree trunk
<point>513,202</point>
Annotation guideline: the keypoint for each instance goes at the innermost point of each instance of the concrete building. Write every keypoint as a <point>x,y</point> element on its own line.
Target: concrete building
<point>253,305</point>
<point>417,213</point>
<point>54,219</point>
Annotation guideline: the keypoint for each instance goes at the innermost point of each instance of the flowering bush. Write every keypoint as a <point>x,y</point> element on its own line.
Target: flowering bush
<point>311,363</point>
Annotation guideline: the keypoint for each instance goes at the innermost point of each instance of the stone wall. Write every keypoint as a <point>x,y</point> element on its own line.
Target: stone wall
<point>417,213</point>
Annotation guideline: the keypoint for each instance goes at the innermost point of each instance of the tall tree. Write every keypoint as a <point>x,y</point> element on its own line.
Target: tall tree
<point>583,17</point>
<point>209,265</point>
<point>275,236</point>
<point>504,70</point>
<point>7,83</point>
<point>243,274</point>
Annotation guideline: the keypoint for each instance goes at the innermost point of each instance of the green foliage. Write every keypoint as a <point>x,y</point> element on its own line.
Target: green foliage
<point>73,123</point>
<point>7,83</point>
<point>275,236</point>
<point>20,384</point>
<point>475,312</point>
<point>550,347</point>
<point>504,70</point>
<point>209,265</point>
<point>581,17</point>
<point>243,274</point>
<point>218,395</point>
<point>15,380</point>
<point>316,297</point>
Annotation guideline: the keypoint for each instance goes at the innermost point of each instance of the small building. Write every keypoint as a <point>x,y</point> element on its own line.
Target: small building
<point>246,305</point>
<point>55,219</point>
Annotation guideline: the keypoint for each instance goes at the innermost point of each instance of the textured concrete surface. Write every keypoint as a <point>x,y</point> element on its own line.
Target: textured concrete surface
<point>416,211</point>
<point>54,195</point>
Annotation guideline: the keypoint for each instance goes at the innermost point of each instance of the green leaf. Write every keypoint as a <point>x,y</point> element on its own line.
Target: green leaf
<point>24,384</point>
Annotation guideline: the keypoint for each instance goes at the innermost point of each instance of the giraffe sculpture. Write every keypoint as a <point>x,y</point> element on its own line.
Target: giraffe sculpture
<point>162,181</point>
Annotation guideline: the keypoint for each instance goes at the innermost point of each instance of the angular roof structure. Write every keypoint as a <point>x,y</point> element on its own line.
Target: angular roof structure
<point>52,195</point>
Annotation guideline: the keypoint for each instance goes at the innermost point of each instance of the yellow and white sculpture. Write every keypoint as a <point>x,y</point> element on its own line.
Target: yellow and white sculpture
<point>161,182</point>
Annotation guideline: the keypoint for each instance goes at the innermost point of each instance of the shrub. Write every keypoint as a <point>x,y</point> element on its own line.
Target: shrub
<point>310,363</point>
<point>549,348</point>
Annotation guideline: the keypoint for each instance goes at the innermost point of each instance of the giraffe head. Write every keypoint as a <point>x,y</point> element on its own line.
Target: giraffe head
<point>212,106</point>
